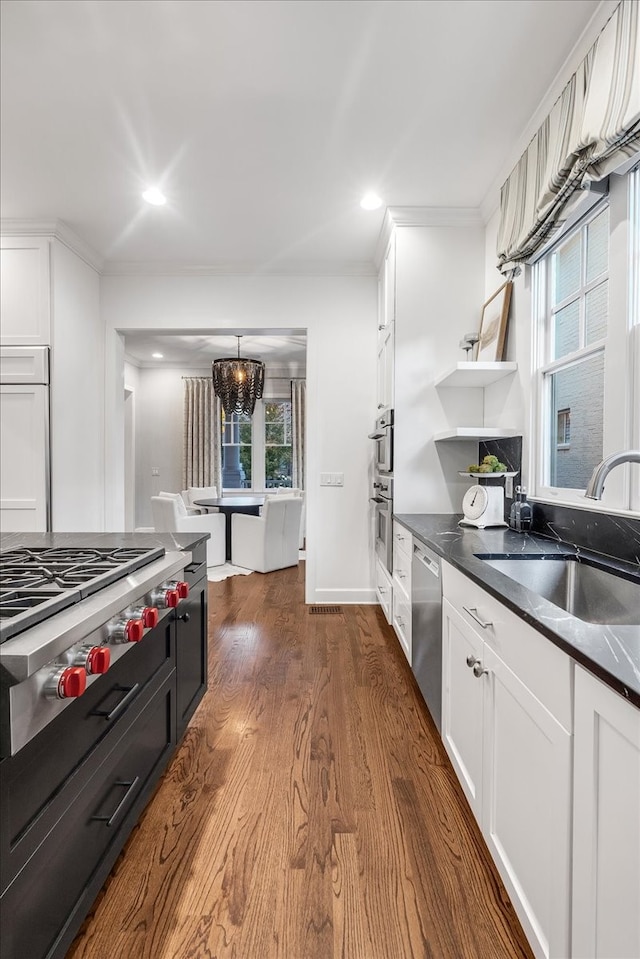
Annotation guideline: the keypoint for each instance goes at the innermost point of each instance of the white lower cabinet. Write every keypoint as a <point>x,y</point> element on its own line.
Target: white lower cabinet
<point>508,734</point>
<point>402,555</point>
<point>384,590</point>
<point>606,823</point>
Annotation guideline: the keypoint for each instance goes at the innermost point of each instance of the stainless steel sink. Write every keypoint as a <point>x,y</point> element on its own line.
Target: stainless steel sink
<point>590,592</point>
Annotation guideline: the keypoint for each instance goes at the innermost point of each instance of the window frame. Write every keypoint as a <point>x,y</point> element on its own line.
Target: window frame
<point>621,423</point>
<point>265,445</point>
<point>258,447</point>
<point>232,489</point>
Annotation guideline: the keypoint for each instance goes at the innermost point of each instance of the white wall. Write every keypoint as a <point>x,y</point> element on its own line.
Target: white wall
<point>439,295</point>
<point>508,402</point>
<point>77,394</point>
<point>340,318</point>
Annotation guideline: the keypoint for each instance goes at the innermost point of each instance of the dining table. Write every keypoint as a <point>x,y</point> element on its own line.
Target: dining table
<point>229,505</point>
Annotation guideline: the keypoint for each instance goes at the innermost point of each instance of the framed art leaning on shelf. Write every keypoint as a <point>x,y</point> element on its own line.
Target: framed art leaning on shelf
<point>493,325</point>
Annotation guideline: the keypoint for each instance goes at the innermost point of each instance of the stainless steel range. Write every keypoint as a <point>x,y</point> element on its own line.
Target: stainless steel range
<point>66,615</point>
<point>103,661</point>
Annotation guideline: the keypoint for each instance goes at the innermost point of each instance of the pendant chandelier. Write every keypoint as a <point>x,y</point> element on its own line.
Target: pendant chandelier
<point>238,381</point>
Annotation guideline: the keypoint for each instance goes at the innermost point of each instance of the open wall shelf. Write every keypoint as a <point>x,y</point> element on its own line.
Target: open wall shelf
<point>475,374</point>
<point>476,433</point>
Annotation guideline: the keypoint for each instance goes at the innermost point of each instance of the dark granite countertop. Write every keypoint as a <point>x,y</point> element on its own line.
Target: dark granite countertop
<point>611,652</point>
<point>170,541</point>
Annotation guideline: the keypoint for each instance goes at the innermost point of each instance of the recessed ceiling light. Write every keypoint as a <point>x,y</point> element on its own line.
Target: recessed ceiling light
<point>370,201</point>
<point>157,356</point>
<point>154,196</point>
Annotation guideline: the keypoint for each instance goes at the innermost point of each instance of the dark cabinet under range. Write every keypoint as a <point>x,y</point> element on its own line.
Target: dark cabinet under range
<point>191,644</point>
<point>71,796</point>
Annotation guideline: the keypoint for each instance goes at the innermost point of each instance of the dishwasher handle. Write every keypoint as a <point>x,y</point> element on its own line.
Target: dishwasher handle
<point>432,565</point>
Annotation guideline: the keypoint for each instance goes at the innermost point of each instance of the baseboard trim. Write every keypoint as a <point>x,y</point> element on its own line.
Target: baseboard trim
<point>332,597</point>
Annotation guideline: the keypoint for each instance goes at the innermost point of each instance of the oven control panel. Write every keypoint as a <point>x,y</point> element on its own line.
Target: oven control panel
<point>37,700</point>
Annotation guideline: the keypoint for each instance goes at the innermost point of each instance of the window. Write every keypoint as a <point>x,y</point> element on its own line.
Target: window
<point>563,437</point>
<point>277,443</point>
<point>573,368</point>
<point>237,431</point>
<point>585,330</point>
<point>257,450</point>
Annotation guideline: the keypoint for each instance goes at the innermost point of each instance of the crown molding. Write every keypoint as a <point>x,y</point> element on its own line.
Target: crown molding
<point>57,229</point>
<point>239,268</point>
<point>398,216</point>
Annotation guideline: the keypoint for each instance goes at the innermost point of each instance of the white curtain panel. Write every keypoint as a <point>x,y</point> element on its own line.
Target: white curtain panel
<point>202,439</point>
<point>298,404</point>
<point>592,130</point>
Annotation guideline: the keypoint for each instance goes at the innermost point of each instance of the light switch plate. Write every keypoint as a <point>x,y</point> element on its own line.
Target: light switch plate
<point>325,479</point>
<point>155,471</point>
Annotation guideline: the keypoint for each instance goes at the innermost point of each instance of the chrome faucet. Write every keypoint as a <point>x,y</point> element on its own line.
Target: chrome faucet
<point>595,485</point>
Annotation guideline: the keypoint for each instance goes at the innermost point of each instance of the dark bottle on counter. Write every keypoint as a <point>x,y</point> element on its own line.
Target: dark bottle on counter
<point>520,513</point>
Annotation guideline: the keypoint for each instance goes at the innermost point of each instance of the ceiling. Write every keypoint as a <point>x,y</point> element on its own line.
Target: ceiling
<point>282,352</point>
<point>264,121</point>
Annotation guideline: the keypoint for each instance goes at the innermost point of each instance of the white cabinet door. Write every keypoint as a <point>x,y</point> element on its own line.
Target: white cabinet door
<point>384,590</point>
<point>385,381</point>
<point>462,704</point>
<point>402,619</point>
<point>526,809</point>
<point>24,291</point>
<point>24,458</point>
<point>389,284</point>
<point>606,823</point>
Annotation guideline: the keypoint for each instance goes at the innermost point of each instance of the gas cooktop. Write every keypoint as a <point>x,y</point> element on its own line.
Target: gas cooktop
<point>37,583</point>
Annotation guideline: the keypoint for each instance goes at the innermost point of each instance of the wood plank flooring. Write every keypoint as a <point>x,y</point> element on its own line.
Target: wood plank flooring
<point>311,811</point>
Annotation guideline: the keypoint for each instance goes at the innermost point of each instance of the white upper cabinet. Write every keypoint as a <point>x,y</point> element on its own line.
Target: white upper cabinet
<point>388,313</point>
<point>25,309</point>
<point>386,319</point>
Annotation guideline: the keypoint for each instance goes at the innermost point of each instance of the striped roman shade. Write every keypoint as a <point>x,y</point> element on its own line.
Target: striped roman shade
<point>592,130</point>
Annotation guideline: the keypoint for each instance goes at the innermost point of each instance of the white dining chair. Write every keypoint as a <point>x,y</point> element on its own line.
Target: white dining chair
<point>269,541</point>
<point>179,497</point>
<point>201,492</point>
<point>292,491</point>
<point>170,516</point>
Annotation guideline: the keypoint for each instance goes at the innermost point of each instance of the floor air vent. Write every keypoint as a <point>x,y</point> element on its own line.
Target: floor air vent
<point>322,610</point>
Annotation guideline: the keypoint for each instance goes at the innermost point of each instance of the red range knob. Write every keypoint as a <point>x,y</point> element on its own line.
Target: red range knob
<point>180,587</point>
<point>98,660</point>
<point>150,617</point>
<point>134,630</point>
<point>72,682</point>
<point>166,596</point>
<point>171,598</point>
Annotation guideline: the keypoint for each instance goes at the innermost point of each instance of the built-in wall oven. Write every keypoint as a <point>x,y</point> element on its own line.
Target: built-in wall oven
<point>382,499</point>
<point>383,439</point>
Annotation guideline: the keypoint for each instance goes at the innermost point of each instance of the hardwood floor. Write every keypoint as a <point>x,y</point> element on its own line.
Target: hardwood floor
<point>311,811</point>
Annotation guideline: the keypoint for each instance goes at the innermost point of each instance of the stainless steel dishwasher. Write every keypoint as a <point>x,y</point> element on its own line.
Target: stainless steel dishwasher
<point>426,627</point>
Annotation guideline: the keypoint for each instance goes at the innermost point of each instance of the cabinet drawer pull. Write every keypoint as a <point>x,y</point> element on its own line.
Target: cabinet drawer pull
<point>109,820</point>
<point>184,617</point>
<point>471,661</point>
<point>479,670</point>
<point>130,691</point>
<point>473,613</point>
